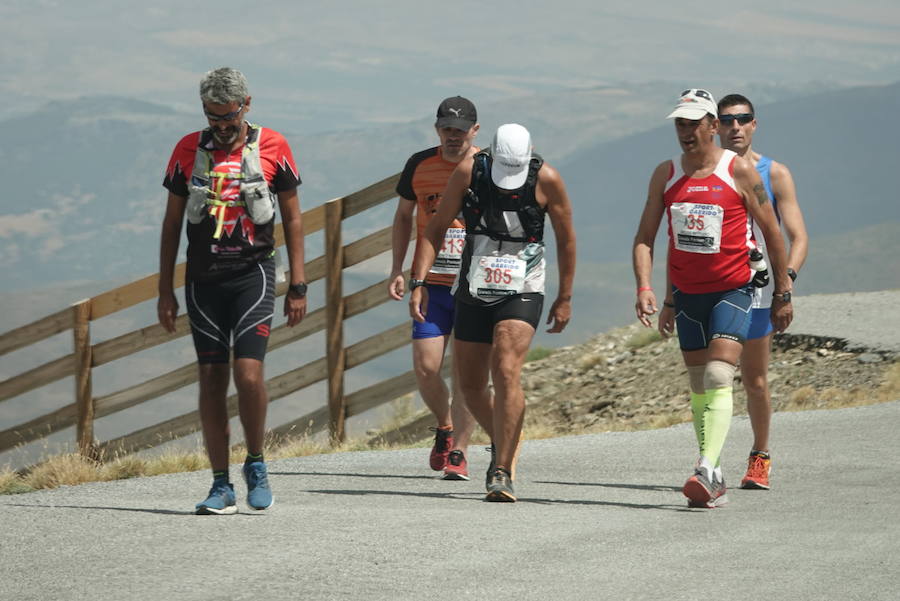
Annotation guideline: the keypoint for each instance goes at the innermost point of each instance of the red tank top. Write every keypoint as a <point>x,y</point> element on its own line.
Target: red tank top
<point>709,234</point>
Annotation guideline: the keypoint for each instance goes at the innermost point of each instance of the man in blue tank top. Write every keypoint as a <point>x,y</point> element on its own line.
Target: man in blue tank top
<point>737,123</point>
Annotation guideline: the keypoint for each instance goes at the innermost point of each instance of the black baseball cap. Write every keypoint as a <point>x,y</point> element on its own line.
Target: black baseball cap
<point>457,112</point>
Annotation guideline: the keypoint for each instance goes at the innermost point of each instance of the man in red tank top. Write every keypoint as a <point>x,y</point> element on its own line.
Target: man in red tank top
<point>707,194</point>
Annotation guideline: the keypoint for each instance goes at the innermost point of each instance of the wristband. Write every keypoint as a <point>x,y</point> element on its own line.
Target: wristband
<point>643,288</point>
<point>668,304</point>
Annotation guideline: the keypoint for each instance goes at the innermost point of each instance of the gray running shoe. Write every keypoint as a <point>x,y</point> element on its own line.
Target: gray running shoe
<point>703,493</point>
<point>500,487</point>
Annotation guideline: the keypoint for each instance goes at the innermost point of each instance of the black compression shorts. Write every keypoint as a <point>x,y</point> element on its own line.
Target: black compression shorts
<point>235,311</point>
<point>475,323</point>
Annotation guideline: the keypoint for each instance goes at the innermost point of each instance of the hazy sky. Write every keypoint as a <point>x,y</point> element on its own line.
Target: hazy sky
<point>352,63</point>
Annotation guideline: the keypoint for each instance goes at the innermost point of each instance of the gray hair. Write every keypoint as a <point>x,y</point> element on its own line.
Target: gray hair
<point>223,86</point>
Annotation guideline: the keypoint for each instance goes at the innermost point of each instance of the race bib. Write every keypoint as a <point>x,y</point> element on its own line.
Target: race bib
<point>493,277</point>
<point>449,258</point>
<point>697,228</point>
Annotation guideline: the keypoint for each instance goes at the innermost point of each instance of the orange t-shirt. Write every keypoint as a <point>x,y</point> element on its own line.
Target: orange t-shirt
<point>423,181</point>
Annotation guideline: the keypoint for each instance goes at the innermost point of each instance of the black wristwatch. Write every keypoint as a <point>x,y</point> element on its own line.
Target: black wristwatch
<point>792,274</point>
<point>414,283</point>
<point>783,296</point>
<point>298,289</point>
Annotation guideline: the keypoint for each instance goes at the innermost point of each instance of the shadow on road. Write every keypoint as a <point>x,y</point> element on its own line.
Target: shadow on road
<point>137,509</point>
<point>352,475</point>
<point>654,487</point>
<point>456,496</point>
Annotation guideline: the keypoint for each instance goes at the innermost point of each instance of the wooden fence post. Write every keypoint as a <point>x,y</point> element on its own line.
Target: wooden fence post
<point>334,309</point>
<point>84,398</point>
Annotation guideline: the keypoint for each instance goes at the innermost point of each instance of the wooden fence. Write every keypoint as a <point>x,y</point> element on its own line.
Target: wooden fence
<point>331,367</point>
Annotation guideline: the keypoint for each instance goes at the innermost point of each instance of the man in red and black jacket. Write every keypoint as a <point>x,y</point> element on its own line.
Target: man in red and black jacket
<point>227,179</point>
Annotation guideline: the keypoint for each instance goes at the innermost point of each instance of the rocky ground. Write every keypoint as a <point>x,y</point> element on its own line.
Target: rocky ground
<point>629,379</point>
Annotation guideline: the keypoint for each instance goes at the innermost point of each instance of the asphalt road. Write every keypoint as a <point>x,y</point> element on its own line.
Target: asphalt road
<point>599,516</point>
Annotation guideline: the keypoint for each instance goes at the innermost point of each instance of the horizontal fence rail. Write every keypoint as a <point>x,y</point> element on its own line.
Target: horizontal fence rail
<point>331,367</point>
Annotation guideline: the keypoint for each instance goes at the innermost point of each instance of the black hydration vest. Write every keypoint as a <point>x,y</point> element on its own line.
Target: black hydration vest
<point>484,204</point>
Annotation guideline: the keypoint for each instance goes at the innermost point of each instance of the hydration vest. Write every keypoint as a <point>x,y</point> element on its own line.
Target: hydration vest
<point>484,204</point>
<point>203,192</point>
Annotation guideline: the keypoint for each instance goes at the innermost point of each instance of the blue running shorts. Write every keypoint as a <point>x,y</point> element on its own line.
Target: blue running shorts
<point>701,318</point>
<point>760,323</point>
<point>439,316</point>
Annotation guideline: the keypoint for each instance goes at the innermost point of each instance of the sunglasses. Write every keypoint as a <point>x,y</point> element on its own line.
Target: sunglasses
<point>226,117</point>
<point>741,118</point>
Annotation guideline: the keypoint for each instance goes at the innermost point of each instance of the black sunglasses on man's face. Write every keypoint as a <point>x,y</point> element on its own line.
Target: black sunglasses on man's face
<point>741,118</point>
<point>226,117</point>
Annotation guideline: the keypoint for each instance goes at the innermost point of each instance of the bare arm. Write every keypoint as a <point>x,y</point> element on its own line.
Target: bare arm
<point>559,208</point>
<point>642,251</point>
<point>791,217</point>
<point>167,305</point>
<point>292,220</point>
<point>400,235</point>
<point>750,187</point>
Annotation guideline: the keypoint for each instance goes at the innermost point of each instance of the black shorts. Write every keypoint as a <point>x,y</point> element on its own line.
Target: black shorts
<point>475,323</point>
<point>235,311</point>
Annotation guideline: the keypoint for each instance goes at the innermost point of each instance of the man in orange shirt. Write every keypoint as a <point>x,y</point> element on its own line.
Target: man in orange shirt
<point>420,188</point>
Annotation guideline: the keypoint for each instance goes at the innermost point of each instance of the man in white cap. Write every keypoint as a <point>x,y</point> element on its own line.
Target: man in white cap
<point>504,195</point>
<point>707,194</point>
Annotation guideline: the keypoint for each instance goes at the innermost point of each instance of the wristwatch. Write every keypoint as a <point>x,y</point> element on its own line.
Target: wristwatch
<point>414,283</point>
<point>783,296</point>
<point>298,289</point>
<point>792,274</point>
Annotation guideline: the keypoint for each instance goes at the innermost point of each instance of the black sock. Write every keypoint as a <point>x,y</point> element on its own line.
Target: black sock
<point>221,475</point>
<point>253,458</point>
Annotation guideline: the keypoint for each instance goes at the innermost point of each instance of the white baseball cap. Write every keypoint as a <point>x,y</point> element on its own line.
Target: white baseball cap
<point>694,104</point>
<point>510,156</point>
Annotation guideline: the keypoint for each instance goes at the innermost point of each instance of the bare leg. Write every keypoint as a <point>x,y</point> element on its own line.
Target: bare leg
<point>214,412</point>
<point>253,402</point>
<point>428,355</point>
<point>754,373</point>
<point>463,422</point>
<point>511,340</point>
<point>471,362</point>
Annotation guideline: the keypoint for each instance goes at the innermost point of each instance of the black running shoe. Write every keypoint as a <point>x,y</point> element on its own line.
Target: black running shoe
<point>491,467</point>
<point>500,487</point>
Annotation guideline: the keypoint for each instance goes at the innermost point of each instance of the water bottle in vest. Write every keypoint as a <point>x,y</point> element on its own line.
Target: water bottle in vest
<point>760,269</point>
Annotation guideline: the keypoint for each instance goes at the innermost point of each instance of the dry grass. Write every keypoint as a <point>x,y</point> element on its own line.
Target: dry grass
<point>808,397</point>
<point>643,337</point>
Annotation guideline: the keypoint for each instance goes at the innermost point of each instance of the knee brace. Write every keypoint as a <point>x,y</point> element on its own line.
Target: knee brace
<point>696,373</point>
<point>718,374</point>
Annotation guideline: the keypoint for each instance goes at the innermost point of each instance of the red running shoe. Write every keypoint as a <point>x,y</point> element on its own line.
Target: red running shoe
<point>457,467</point>
<point>443,442</point>
<point>757,471</point>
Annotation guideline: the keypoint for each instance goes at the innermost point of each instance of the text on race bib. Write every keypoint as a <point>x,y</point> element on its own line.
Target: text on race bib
<point>696,227</point>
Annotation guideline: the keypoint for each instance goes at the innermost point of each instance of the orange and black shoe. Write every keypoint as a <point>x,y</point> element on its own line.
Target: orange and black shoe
<point>443,442</point>
<point>757,476</point>
<point>457,467</point>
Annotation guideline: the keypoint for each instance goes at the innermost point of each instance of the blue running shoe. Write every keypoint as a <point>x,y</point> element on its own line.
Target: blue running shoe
<point>259,495</point>
<point>220,500</point>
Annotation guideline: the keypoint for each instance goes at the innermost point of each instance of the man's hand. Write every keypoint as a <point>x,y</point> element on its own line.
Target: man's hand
<point>559,315</point>
<point>396,286</point>
<point>666,324</point>
<point>294,308</point>
<point>418,303</point>
<point>166,311</point>
<point>645,306</point>
<point>782,314</point>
